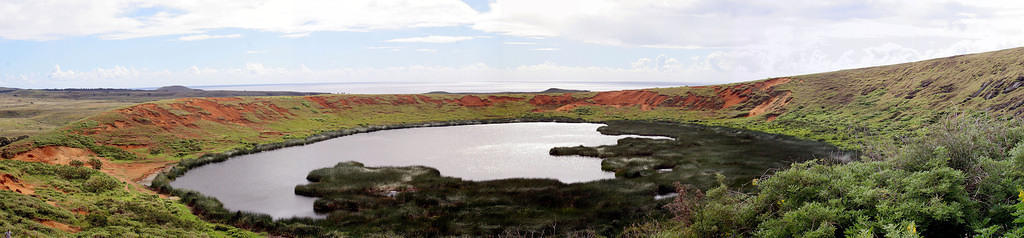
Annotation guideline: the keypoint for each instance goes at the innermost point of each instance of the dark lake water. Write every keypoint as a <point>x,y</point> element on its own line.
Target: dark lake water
<point>264,182</point>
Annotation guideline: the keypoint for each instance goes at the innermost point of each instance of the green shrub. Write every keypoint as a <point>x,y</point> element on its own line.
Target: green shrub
<point>76,163</point>
<point>71,173</point>
<point>958,179</point>
<point>95,163</point>
<point>100,183</point>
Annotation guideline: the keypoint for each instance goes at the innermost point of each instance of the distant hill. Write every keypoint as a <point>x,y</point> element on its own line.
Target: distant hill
<point>137,95</point>
<point>550,90</point>
<point>176,88</point>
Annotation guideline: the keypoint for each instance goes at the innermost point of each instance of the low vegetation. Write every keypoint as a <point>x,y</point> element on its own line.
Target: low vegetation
<point>962,177</point>
<point>67,201</point>
<point>694,154</point>
<point>419,201</point>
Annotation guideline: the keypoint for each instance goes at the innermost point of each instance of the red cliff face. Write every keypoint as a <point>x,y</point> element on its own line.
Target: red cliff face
<point>723,98</point>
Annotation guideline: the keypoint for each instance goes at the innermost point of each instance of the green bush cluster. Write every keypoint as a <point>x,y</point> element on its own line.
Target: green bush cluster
<point>100,183</point>
<point>81,141</point>
<point>91,201</point>
<point>95,163</point>
<point>961,178</point>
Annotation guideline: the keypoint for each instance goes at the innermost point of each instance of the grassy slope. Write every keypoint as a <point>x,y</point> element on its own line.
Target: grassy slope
<point>851,107</point>
<point>66,201</point>
<point>847,108</point>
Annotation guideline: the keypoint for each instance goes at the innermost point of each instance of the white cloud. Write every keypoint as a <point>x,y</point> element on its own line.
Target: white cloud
<point>391,48</point>
<point>48,20</point>
<point>433,39</point>
<point>771,38</point>
<point>112,19</point>
<point>545,49</point>
<point>116,72</point>
<point>57,73</point>
<point>426,50</point>
<point>660,63</point>
<point>733,40</point>
<point>207,37</point>
<point>714,23</point>
<point>255,52</point>
<point>296,35</point>
<point>194,70</point>
<point>519,43</point>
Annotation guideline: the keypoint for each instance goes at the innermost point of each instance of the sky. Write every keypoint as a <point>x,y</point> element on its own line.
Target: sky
<point>143,43</point>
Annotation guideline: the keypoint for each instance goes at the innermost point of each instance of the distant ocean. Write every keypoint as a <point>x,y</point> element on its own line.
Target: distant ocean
<point>454,87</point>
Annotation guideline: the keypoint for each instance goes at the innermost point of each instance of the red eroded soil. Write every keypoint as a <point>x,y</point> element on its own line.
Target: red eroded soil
<point>645,99</point>
<point>404,100</point>
<point>548,100</point>
<point>319,100</point>
<point>152,114</point>
<point>774,103</point>
<point>345,101</point>
<point>725,97</point>
<point>472,101</point>
<point>629,97</point>
<point>427,99</point>
<point>59,226</point>
<point>740,93</point>
<point>767,84</point>
<point>11,183</point>
<point>207,109</point>
<point>213,111</point>
<point>503,99</point>
<point>129,172</point>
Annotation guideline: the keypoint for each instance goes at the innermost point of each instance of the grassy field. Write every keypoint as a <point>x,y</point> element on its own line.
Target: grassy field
<point>21,115</point>
<point>925,170</point>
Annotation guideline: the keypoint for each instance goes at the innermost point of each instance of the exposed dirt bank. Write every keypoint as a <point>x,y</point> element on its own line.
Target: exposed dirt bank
<point>59,226</point>
<point>126,171</point>
<point>723,97</point>
<point>11,183</point>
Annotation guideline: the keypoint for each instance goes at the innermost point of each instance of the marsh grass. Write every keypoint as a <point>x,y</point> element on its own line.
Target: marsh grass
<point>432,205</point>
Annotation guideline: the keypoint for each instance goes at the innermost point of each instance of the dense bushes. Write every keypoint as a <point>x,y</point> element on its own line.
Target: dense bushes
<point>100,183</point>
<point>95,163</point>
<point>95,205</point>
<point>962,178</point>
